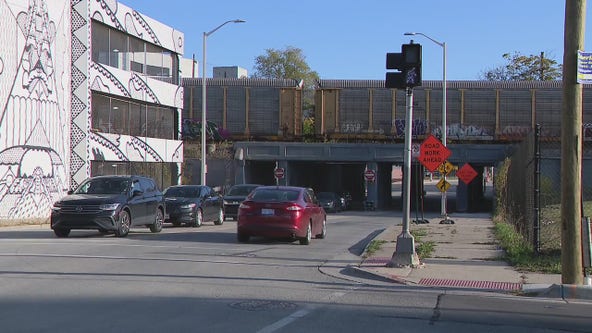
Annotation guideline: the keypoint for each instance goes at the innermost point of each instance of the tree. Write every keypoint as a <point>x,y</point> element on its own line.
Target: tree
<point>525,68</point>
<point>289,63</point>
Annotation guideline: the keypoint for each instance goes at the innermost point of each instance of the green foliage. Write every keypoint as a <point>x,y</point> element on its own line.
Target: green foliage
<point>519,67</point>
<point>425,249</point>
<point>521,254</point>
<point>422,248</point>
<point>374,246</point>
<point>289,63</point>
<point>500,182</point>
<point>308,127</point>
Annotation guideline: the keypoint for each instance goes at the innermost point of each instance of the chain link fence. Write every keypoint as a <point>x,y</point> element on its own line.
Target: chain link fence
<point>528,186</point>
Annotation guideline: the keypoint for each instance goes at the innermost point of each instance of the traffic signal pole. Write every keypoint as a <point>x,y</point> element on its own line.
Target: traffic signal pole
<point>405,254</point>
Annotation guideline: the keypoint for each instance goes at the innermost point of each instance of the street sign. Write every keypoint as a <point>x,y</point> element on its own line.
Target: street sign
<point>466,173</point>
<point>443,185</point>
<point>445,168</point>
<point>278,173</point>
<point>433,153</point>
<point>415,149</point>
<point>369,175</point>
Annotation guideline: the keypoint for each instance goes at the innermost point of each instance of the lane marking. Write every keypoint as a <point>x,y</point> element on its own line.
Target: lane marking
<point>274,327</point>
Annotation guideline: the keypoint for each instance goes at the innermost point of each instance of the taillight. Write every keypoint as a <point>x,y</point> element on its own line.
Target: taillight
<point>244,206</point>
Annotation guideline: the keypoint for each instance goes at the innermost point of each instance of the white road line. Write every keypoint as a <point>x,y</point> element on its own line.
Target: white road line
<point>299,314</point>
<point>285,321</point>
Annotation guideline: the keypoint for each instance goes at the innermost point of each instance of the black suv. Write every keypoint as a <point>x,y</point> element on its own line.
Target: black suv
<point>110,204</point>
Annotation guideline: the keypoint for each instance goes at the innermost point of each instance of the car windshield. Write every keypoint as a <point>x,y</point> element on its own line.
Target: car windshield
<point>275,195</point>
<point>184,192</point>
<point>241,190</point>
<point>104,186</point>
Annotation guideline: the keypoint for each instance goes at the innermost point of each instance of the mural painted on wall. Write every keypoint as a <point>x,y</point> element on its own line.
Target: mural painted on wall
<point>34,99</point>
<point>118,82</point>
<point>116,147</point>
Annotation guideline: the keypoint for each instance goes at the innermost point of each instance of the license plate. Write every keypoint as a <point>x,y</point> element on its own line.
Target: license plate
<point>266,211</point>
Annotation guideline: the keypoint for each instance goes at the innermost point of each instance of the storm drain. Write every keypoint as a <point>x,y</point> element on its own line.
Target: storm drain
<point>490,285</point>
<point>262,305</point>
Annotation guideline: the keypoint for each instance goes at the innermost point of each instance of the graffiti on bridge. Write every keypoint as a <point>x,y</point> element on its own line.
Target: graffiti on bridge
<point>351,127</point>
<point>418,127</point>
<point>460,132</point>
<point>192,130</point>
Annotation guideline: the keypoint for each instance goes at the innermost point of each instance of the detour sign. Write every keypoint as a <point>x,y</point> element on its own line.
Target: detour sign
<point>433,153</point>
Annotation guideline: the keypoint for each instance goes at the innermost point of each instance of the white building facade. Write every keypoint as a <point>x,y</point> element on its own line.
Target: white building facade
<point>87,87</point>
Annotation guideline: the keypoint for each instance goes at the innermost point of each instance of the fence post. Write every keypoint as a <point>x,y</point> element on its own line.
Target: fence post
<point>537,190</point>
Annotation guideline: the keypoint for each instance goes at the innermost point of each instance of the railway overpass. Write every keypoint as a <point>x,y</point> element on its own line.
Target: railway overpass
<point>340,167</point>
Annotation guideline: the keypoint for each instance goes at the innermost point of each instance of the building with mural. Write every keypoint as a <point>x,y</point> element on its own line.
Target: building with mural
<point>87,87</point>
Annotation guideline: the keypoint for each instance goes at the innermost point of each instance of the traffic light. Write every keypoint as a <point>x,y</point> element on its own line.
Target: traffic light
<point>408,62</point>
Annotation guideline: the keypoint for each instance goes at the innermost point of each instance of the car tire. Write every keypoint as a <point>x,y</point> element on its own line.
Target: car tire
<point>306,239</point>
<point>61,233</point>
<point>323,233</point>
<point>123,224</point>
<point>242,238</point>
<point>220,218</point>
<point>198,220</point>
<point>158,220</point>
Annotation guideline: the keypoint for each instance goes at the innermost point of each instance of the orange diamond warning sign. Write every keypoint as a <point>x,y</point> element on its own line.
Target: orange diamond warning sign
<point>433,153</point>
<point>466,173</point>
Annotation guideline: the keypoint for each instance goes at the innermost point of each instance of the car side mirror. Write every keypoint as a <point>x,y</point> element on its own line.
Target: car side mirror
<point>137,193</point>
<point>70,192</point>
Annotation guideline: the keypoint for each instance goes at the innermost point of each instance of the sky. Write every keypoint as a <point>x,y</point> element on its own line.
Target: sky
<point>349,39</point>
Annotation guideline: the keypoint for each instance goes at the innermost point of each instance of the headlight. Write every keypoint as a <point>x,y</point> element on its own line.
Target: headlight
<point>112,206</point>
<point>191,205</point>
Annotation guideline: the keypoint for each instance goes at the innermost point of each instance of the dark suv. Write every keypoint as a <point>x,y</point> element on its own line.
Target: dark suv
<point>110,204</point>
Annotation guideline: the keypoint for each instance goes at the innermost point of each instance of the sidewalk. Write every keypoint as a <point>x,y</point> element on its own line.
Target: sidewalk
<point>465,256</point>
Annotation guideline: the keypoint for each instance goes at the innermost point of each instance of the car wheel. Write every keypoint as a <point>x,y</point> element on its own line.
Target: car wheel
<point>323,233</point>
<point>123,224</point>
<point>198,219</point>
<point>158,220</point>
<point>61,232</point>
<point>242,238</point>
<point>306,239</point>
<point>220,218</point>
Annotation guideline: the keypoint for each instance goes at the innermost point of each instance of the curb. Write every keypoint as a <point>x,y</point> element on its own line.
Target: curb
<point>563,291</point>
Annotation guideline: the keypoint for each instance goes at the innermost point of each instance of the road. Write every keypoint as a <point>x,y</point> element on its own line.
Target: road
<point>202,280</point>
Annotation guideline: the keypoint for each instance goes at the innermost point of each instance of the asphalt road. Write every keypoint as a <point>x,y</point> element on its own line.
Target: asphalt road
<point>202,280</point>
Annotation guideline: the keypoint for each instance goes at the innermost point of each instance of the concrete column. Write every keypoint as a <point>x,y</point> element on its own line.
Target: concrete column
<point>462,197</point>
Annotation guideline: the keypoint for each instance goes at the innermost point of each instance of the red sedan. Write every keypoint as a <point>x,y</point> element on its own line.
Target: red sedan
<point>281,212</point>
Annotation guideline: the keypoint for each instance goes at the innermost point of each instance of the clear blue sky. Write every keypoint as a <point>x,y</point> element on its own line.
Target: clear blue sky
<point>349,39</point>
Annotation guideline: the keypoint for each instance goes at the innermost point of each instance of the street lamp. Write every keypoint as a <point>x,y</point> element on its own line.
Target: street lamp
<point>204,165</point>
<point>443,45</point>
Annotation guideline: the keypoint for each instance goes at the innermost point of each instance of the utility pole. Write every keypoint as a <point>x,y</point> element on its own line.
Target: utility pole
<point>571,146</point>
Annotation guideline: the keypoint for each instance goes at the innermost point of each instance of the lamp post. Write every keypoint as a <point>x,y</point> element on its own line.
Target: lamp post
<point>443,45</point>
<point>204,165</point>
